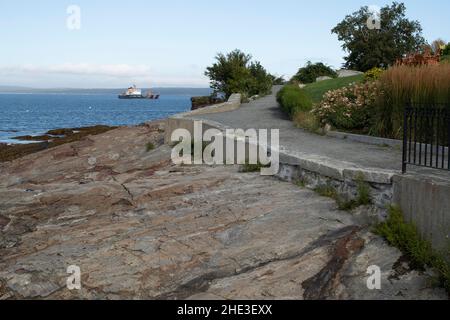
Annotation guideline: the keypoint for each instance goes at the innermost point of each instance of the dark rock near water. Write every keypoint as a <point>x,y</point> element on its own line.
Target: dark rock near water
<point>52,138</point>
<point>201,102</point>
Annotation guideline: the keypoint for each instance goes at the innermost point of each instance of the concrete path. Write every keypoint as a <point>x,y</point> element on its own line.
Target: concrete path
<point>265,113</point>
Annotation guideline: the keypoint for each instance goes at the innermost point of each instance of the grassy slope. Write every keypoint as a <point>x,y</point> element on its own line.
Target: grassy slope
<point>318,89</point>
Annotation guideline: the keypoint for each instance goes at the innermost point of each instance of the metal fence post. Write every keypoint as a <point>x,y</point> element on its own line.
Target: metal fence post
<point>448,138</point>
<point>405,138</point>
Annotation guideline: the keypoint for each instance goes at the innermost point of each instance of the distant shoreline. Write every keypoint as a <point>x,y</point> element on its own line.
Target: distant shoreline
<point>161,90</point>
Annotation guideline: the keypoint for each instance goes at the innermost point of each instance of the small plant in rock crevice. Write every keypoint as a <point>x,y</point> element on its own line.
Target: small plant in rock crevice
<point>363,197</point>
<point>150,146</point>
<point>248,168</point>
<point>405,237</point>
<point>302,182</point>
<point>327,191</point>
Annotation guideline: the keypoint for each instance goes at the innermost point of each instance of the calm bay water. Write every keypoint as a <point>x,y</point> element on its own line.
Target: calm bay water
<point>34,114</point>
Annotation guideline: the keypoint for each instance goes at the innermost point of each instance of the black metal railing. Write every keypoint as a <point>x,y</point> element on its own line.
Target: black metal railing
<point>426,136</point>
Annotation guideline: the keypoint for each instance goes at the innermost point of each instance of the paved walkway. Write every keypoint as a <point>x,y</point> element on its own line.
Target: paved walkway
<point>265,113</point>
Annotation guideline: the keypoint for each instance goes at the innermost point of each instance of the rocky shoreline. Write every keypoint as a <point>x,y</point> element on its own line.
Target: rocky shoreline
<point>50,139</point>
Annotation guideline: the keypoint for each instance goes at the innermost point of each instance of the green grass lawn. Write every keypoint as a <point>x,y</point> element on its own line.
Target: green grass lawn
<point>318,89</point>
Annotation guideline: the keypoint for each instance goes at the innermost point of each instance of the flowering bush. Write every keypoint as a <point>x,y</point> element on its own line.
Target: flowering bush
<point>349,108</point>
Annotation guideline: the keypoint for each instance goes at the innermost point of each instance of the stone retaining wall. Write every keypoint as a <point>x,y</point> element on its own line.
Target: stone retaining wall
<point>381,193</point>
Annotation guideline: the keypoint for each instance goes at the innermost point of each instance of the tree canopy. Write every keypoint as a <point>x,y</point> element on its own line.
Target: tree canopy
<point>369,48</point>
<point>235,72</point>
<point>446,50</point>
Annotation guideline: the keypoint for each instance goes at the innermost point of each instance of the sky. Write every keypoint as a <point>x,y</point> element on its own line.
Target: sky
<point>170,43</point>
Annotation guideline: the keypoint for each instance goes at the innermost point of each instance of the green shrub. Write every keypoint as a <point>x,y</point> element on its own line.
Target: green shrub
<point>311,72</point>
<point>405,237</point>
<point>308,121</point>
<point>373,74</point>
<point>292,99</point>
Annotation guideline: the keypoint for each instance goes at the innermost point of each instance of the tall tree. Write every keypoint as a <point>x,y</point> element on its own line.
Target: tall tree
<point>236,73</point>
<point>261,80</point>
<point>378,47</point>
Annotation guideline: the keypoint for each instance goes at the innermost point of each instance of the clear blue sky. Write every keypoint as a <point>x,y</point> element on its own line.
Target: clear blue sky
<point>170,43</point>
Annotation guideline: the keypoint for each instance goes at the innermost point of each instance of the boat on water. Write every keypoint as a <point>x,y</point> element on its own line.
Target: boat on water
<point>135,93</point>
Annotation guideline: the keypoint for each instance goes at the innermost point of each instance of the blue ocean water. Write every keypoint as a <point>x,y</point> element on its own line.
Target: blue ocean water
<point>34,114</point>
